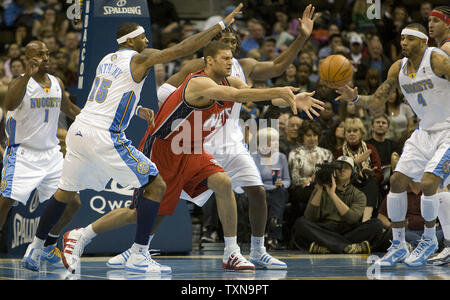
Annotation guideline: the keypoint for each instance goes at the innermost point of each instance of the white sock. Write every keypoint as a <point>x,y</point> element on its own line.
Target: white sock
<point>256,243</point>
<point>230,242</point>
<point>398,234</point>
<point>38,243</point>
<point>444,213</point>
<point>429,233</point>
<point>89,233</point>
<point>137,248</point>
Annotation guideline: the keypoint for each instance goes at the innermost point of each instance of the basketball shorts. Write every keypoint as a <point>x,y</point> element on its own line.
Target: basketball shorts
<point>240,167</point>
<point>426,151</point>
<point>94,156</point>
<point>188,172</point>
<point>26,169</point>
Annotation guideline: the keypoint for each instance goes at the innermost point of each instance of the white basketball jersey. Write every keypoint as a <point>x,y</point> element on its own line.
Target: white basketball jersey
<point>231,133</point>
<point>114,94</point>
<point>427,94</point>
<point>34,123</point>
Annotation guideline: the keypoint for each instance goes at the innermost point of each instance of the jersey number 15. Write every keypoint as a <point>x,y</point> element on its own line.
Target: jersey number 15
<point>99,90</point>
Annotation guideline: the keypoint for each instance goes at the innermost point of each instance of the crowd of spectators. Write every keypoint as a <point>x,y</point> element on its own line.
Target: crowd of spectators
<point>371,138</point>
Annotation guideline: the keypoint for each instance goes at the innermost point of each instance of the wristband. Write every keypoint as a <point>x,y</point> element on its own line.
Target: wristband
<point>223,24</point>
<point>356,99</point>
<point>136,112</point>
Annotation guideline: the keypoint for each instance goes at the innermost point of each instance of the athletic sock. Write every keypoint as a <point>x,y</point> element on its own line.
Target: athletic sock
<point>51,239</point>
<point>147,211</point>
<point>50,216</point>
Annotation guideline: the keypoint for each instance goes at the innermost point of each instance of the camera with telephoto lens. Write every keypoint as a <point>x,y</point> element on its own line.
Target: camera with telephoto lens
<point>325,170</point>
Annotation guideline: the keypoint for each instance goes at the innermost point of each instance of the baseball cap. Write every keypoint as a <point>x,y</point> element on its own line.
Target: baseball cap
<point>346,159</point>
<point>356,38</point>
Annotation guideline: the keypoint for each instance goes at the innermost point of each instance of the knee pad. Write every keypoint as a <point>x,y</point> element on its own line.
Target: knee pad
<point>397,206</point>
<point>430,207</point>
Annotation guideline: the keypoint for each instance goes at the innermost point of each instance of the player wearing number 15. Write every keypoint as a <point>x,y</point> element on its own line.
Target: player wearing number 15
<point>32,158</point>
<point>97,148</point>
<point>423,77</point>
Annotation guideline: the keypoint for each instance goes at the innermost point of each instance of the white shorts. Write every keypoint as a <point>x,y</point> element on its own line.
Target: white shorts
<point>26,169</point>
<point>94,156</point>
<point>426,151</point>
<point>240,167</point>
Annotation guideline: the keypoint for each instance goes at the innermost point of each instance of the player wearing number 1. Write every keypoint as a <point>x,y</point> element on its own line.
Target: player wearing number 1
<point>33,102</point>
<point>98,150</point>
<point>423,77</point>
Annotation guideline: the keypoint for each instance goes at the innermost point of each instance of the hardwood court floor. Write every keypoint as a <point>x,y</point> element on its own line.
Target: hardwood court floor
<point>200,266</point>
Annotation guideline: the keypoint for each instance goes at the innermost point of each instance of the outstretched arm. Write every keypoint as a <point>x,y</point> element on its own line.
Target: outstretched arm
<point>265,70</point>
<point>150,57</point>
<point>305,102</point>
<point>381,94</point>
<point>201,89</point>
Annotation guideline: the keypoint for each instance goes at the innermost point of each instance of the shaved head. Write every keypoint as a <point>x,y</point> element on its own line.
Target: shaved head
<point>38,51</point>
<point>33,48</point>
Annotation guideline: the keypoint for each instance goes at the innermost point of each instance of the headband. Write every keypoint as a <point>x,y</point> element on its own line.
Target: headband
<point>441,16</point>
<point>133,34</point>
<point>415,33</point>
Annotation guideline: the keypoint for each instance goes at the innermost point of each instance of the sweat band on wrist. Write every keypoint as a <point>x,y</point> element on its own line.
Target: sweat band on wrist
<point>137,110</point>
<point>223,24</point>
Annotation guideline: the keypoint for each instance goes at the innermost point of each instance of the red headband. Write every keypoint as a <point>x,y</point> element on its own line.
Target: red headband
<point>440,16</point>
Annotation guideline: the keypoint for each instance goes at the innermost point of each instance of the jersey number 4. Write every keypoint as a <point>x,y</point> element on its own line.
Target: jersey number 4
<point>99,90</point>
<point>420,100</point>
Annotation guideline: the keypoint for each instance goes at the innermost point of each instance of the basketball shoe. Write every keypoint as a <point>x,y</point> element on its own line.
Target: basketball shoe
<point>397,253</point>
<point>51,254</point>
<point>32,258</point>
<point>441,259</point>
<point>263,260</point>
<point>119,261</point>
<point>423,251</point>
<point>74,243</point>
<point>236,262</point>
<point>143,263</point>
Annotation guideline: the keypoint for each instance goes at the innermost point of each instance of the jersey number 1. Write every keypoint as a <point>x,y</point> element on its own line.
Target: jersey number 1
<point>99,91</point>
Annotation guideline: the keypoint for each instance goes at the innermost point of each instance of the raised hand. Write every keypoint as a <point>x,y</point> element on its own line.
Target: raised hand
<point>33,65</point>
<point>230,18</point>
<point>308,104</point>
<point>306,22</point>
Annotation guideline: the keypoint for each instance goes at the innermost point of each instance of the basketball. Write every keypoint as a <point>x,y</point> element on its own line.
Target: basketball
<point>335,71</point>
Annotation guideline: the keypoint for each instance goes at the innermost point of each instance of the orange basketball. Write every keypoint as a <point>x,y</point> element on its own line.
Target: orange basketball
<point>335,71</point>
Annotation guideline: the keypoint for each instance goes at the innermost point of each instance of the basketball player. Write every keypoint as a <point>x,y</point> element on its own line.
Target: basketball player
<point>175,145</point>
<point>439,29</point>
<point>33,158</point>
<point>423,77</point>
<point>227,145</point>
<point>97,148</point>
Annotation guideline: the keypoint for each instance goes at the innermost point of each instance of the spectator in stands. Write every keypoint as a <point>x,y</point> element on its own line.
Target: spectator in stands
<point>332,220</point>
<point>282,123</point>
<point>367,160</point>
<point>371,82</point>
<point>289,77</point>
<point>165,20</point>
<point>13,53</point>
<point>376,59</point>
<point>290,141</point>
<point>356,51</point>
<point>400,115</point>
<point>335,137</point>
<point>274,170</point>
<point>22,36</point>
<point>257,35</point>
<point>267,51</point>
<point>334,42</point>
<point>304,72</point>
<point>51,42</point>
<point>400,19</point>
<point>17,67</point>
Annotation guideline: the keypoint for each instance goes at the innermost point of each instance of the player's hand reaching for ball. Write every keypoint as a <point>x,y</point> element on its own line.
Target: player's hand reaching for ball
<point>287,94</point>
<point>347,93</point>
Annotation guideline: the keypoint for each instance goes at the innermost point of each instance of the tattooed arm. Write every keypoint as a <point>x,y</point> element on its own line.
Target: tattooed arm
<point>381,94</point>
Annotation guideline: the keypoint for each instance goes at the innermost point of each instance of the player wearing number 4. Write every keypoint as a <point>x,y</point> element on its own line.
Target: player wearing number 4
<point>423,77</point>
<point>97,148</point>
<point>32,158</point>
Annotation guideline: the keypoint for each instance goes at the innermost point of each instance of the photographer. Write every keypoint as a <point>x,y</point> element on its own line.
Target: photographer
<point>332,220</point>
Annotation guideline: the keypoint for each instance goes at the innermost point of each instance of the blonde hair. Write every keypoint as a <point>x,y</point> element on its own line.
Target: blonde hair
<point>354,123</point>
<point>268,134</point>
